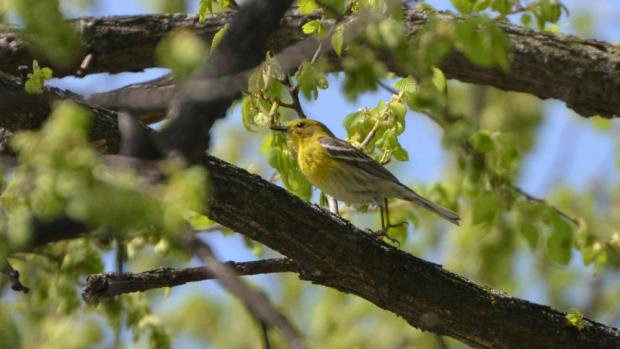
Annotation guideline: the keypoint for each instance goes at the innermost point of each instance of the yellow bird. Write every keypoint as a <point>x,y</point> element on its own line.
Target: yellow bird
<point>346,173</point>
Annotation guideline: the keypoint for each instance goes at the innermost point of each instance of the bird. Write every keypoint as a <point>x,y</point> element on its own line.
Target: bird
<point>347,174</point>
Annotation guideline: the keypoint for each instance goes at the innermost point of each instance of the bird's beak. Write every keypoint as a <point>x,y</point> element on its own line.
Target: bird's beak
<point>279,128</point>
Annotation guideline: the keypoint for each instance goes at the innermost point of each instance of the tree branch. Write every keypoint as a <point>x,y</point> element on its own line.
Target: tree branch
<point>23,111</point>
<point>126,43</point>
<point>336,254</point>
<point>582,73</point>
<point>424,294</point>
<point>108,285</point>
<point>256,302</point>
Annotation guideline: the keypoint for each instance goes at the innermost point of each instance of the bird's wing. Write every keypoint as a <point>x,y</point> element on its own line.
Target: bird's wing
<point>343,151</point>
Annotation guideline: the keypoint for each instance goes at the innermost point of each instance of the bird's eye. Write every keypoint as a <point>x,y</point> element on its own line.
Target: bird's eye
<point>300,125</point>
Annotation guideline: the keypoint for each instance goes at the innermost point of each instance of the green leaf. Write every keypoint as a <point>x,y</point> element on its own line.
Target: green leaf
<point>310,78</point>
<point>526,19</point>
<point>338,40</point>
<point>482,141</point>
<point>463,6</point>
<point>217,38</point>
<point>481,5</point>
<point>36,80</point>
<point>486,208</point>
<point>601,124</point>
<point>391,33</point>
<point>182,51</point>
<point>502,6</point>
<point>559,244</point>
<point>281,158</point>
<point>339,6</point>
<point>482,42</point>
<point>306,7</point>
<point>575,318</point>
<point>529,231</point>
<point>439,80</point>
<point>314,27</point>
<point>398,109</point>
<point>204,8</point>
<point>407,85</point>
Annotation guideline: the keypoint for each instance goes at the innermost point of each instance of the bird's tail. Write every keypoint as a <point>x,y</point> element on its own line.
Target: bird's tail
<point>443,212</point>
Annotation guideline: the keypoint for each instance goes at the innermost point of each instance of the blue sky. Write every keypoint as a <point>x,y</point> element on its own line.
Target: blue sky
<point>569,149</point>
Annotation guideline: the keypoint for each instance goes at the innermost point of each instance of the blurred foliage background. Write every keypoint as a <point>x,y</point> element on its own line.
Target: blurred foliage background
<point>475,149</point>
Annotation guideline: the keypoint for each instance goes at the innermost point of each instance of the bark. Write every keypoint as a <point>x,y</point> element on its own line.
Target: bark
<point>582,73</point>
<point>334,253</point>
<point>126,43</point>
<point>108,285</point>
<point>23,111</point>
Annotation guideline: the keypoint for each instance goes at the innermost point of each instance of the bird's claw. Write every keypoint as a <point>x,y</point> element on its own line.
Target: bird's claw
<point>383,233</point>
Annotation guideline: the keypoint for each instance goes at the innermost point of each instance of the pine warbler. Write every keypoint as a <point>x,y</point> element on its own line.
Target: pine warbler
<point>346,173</point>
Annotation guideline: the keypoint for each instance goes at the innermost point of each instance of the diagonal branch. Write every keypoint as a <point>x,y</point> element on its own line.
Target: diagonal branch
<point>108,285</point>
<point>255,301</point>
<point>336,254</point>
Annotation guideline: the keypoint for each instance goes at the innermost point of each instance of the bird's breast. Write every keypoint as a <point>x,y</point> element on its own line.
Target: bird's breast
<point>334,179</point>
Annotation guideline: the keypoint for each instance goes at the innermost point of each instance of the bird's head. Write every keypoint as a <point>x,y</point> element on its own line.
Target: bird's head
<point>299,130</point>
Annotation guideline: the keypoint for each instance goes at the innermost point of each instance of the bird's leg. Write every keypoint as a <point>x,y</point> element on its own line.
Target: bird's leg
<point>387,218</point>
<point>385,224</point>
<point>333,205</point>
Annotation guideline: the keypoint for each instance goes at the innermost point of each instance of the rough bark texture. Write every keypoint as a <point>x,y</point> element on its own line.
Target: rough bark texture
<point>346,258</point>
<point>583,73</point>
<point>22,111</point>
<point>127,43</point>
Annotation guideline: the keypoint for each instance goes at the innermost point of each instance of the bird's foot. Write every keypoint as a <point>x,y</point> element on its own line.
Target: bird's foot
<point>383,233</point>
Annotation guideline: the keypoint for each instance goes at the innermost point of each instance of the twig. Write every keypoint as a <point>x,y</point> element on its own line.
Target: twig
<point>108,285</point>
<point>441,342</point>
<point>13,274</point>
<point>256,302</point>
<point>294,92</point>
<point>369,136</point>
<point>530,197</point>
<point>265,332</point>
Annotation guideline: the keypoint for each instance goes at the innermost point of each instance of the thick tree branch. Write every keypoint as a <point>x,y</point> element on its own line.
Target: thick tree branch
<point>125,43</point>
<point>424,294</point>
<point>336,254</point>
<point>23,111</point>
<point>582,73</point>
<point>108,285</point>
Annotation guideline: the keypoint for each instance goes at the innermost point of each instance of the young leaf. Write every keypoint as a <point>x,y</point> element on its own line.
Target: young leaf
<point>338,40</point>
<point>36,80</point>
<point>314,27</point>
<point>306,7</point>
<point>559,244</point>
<point>218,37</point>
<point>529,231</point>
<point>575,318</point>
<point>486,208</point>
<point>482,141</point>
<point>407,85</point>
